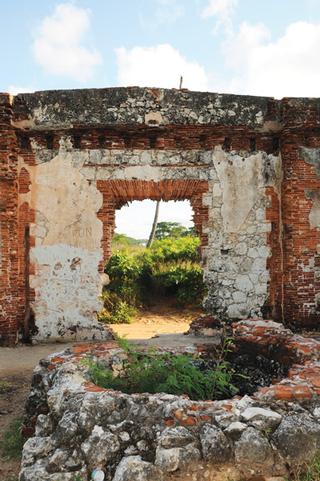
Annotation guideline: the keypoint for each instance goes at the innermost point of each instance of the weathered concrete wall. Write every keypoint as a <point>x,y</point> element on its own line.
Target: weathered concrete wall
<point>116,106</point>
<point>67,253</point>
<point>248,165</point>
<point>67,247</point>
<point>238,244</point>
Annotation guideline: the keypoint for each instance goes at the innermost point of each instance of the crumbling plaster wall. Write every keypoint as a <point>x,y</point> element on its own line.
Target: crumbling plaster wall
<point>67,248</point>
<point>238,250</point>
<point>260,215</point>
<point>68,233</point>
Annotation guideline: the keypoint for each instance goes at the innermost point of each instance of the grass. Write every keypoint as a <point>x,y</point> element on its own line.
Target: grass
<point>5,386</point>
<point>12,440</point>
<point>311,471</point>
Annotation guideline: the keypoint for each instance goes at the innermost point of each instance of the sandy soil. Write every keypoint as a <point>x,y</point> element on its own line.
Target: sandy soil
<point>159,325</point>
<point>155,321</point>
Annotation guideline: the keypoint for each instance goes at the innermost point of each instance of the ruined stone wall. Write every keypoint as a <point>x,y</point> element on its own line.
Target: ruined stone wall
<point>76,426</point>
<point>244,163</point>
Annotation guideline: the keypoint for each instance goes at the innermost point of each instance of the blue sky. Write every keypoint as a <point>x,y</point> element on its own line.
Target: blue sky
<point>225,45</point>
<point>259,47</point>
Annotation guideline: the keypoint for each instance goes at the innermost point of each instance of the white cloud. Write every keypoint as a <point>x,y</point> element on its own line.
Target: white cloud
<point>288,66</point>
<point>159,66</point>
<point>58,43</point>
<point>15,90</point>
<point>222,10</point>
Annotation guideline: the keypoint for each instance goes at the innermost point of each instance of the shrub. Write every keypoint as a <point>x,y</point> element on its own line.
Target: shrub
<point>172,250</point>
<point>124,271</point>
<point>123,267</point>
<point>183,280</point>
<point>170,267</point>
<point>115,310</point>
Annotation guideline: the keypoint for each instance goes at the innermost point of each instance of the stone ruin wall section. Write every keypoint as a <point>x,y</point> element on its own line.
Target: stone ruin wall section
<point>248,165</point>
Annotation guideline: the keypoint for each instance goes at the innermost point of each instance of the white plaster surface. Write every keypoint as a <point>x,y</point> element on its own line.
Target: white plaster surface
<point>67,249</point>
<point>67,286</point>
<point>314,215</point>
<point>68,231</point>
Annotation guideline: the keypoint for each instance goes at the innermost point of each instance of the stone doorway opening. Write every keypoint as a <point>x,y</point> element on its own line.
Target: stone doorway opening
<point>163,284</point>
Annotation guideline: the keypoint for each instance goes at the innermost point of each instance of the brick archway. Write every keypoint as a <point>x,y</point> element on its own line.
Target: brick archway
<point>117,193</point>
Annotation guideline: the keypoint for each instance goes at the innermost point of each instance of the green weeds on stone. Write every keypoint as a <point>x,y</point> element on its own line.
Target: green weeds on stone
<point>170,373</point>
<point>310,471</point>
<point>77,477</point>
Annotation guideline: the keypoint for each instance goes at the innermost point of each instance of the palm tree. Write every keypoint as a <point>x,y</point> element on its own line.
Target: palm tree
<point>154,225</point>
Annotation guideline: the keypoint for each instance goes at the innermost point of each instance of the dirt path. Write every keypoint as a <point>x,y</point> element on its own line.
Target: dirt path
<point>155,321</point>
<point>16,366</point>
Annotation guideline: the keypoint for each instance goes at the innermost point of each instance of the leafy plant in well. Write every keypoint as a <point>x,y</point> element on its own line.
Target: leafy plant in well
<point>173,374</point>
<point>77,477</point>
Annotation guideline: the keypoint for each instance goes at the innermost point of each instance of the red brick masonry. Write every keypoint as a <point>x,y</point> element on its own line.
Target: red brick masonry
<point>113,119</point>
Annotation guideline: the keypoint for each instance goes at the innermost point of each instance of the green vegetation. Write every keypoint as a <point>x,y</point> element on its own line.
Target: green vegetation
<point>122,241</point>
<point>173,230</point>
<point>12,440</point>
<point>170,249</point>
<point>5,386</point>
<point>309,472</point>
<point>115,310</point>
<point>168,269</point>
<point>182,280</point>
<point>169,373</point>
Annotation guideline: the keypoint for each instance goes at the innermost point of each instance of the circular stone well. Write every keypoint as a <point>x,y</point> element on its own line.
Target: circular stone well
<point>76,427</point>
